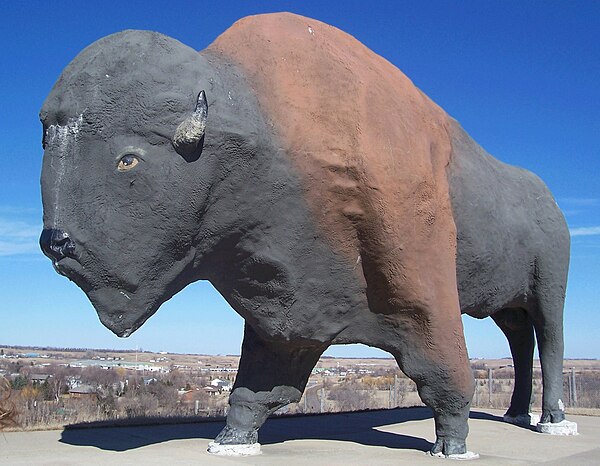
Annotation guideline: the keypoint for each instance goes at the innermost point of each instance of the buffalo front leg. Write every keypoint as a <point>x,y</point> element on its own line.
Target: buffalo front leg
<point>434,356</point>
<point>517,327</point>
<point>271,375</point>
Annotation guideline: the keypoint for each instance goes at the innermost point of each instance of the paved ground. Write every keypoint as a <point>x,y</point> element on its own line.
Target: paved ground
<point>400,436</point>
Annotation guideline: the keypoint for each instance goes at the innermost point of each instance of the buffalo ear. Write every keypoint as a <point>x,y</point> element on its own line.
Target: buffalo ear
<point>189,135</point>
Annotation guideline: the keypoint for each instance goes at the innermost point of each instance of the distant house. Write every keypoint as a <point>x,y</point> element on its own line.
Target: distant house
<point>39,378</point>
<point>149,380</point>
<point>211,390</point>
<point>119,387</point>
<point>83,391</point>
<point>221,385</point>
<point>73,381</point>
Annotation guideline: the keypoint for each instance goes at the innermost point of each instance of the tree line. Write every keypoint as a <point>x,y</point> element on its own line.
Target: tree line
<point>57,395</point>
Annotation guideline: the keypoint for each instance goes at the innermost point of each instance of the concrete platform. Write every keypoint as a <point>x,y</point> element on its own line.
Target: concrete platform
<point>400,436</point>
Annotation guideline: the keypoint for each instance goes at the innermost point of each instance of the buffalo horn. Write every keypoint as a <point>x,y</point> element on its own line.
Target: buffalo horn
<point>190,131</point>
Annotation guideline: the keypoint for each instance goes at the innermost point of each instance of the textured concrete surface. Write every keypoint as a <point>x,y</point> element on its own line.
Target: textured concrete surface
<point>399,436</point>
<point>325,197</point>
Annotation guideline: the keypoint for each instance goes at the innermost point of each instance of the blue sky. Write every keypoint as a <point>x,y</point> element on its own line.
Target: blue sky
<point>522,77</point>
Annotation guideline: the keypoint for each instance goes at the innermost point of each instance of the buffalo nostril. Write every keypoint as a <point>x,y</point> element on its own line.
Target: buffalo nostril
<point>45,239</point>
<point>56,244</point>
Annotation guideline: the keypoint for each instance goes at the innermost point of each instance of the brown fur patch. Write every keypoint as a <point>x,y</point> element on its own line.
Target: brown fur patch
<point>371,150</point>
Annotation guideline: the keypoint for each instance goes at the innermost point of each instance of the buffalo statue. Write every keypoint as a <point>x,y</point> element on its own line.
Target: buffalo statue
<point>322,194</point>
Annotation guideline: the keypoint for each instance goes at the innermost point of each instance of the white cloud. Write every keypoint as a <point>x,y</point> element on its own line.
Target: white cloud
<point>13,249</point>
<point>17,229</point>
<point>577,206</point>
<point>20,210</point>
<point>580,201</point>
<point>18,237</point>
<point>585,231</point>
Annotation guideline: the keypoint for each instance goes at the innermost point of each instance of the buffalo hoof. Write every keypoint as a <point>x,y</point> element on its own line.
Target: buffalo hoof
<point>220,449</point>
<point>553,416</point>
<point>235,442</point>
<point>563,427</point>
<point>523,420</point>
<point>457,456</point>
<point>452,449</point>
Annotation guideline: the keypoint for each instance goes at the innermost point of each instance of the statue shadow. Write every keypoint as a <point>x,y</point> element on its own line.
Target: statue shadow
<point>358,427</point>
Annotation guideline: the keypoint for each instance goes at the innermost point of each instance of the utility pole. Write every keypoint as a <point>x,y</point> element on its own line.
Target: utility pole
<point>490,382</point>
<point>322,399</point>
<point>395,390</point>
<point>573,387</point>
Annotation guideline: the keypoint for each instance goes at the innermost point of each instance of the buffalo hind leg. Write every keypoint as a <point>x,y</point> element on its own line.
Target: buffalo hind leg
<point>270,376</point>
<point>548,322</point>
<point>436,360</point>
<point>547,317</point>
<point>517,327</point>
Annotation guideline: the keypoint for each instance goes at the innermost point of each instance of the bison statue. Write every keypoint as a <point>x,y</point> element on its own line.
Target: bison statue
<point>322,194</point>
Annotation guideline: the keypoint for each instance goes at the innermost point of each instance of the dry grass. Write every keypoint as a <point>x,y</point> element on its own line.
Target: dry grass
<point>7,407</point>
<point>365,384</point>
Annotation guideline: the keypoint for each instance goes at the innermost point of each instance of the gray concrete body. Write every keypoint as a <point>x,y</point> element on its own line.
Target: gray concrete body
<point>512,263</point>
<point>235,215</point>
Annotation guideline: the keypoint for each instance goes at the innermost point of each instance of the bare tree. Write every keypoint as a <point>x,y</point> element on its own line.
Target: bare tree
<point>167,397</point>
<point>98,377</point>
<point>350,396</point>
<point>137,403</point>
<point>7,407</point>
<point>56,385</point>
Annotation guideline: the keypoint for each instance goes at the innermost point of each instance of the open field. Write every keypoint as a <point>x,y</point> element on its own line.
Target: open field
<point>45,355</point>
<point>51,388</point>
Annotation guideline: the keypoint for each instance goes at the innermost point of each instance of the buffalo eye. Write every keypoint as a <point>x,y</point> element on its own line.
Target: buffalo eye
<point>127,162</point>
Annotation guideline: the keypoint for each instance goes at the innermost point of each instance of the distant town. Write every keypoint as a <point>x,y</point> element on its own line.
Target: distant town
<point>53,387</point>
